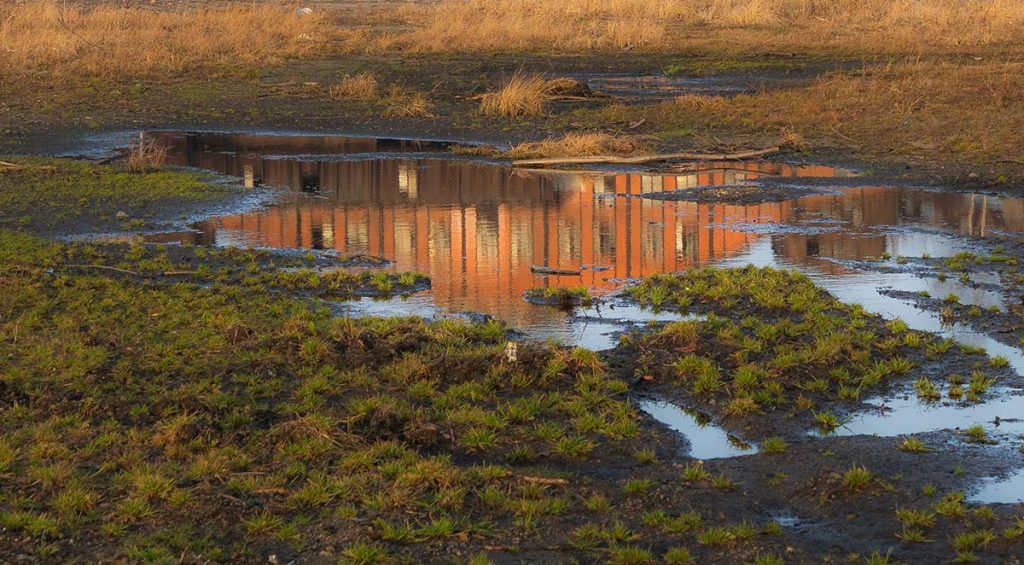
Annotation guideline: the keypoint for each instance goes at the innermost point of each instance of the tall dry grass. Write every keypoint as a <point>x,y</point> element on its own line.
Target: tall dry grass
<point>46,36</point>
<point>362,87</point>
<point>583,145</point>
<point>869,26</point>
<point>522,95</point>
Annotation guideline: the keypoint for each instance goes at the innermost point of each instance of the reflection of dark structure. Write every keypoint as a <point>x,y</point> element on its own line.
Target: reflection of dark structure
<point>476,228</point>
<point>309,176</point>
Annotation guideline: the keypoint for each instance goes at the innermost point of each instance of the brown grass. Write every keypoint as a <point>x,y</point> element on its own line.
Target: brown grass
<point>526,95</point>
<point>583,145</point>
<point>146,156</point>
<point>362,87</point>
<point>45,37</point>
<point>923,109</point>
<point>403,104</point>
<point>855,26</point>
<point>521,95</point>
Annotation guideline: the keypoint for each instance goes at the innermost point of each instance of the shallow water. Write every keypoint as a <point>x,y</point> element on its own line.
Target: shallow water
<point>707,441</point>
<point>476,228</point>
<point>1000,490</point>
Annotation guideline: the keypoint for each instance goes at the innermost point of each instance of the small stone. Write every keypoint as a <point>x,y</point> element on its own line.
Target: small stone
<point>121,215</point>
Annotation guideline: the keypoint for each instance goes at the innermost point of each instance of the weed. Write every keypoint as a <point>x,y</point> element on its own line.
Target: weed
<point>913,445</point>
<point>774,444</point>
<point>362,87</point>
<point>695,472</point>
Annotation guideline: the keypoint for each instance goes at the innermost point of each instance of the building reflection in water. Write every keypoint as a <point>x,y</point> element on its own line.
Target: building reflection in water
<point>476,229</point>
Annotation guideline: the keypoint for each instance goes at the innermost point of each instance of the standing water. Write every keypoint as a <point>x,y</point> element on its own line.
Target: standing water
<point>477,228</point>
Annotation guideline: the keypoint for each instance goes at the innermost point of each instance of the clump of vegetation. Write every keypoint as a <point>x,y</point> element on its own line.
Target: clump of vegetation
<point>407,104</point>
<point>913,445</point>
<point>526,95</point>
<point>560,296</point>
<point>146,156</point>
<point>362,87</point>
<point>770,339</point>
<point>522,95</point>
<point>582,145</point>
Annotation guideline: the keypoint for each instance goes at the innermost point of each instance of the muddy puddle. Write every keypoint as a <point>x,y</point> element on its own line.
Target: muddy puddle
<point>706,440</point>
<point>481,230</point>
<point>478,228</point>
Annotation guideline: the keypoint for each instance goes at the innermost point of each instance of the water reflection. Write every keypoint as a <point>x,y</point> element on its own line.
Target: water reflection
<point>477,228</point>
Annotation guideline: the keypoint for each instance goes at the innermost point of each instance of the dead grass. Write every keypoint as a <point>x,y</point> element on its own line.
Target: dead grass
<point>526,95</point>
<point>924,109</point>
<point>583,145</point>
<point>855,26</point>
<point>522,95</point>
<point>47,37</point>
<point>362,87</point>
<point>146,156</point>
<point>405,104</point>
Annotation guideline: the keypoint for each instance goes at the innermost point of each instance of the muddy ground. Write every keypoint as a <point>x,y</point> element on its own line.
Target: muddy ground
<point>295,97</point>
<point>819,514</point>
<point>822,514</point>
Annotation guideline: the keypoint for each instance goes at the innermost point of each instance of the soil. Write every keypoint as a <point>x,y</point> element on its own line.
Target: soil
<point>822,519</point>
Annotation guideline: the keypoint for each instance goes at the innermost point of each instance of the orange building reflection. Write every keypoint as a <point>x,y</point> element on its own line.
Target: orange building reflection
<point>476,228</point>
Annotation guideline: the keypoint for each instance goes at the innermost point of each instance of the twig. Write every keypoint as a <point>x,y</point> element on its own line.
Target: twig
<point>541,270</point>
<point>840,134</point>
<point>127,272</point>
<point>104,267</point>
<point>648,158</point>
<point>545,480</point>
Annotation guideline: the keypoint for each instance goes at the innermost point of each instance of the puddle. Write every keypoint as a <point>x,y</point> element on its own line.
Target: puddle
<point>477,228</point>
<point>1009,490</point>
<point>905,416</point>
<point>707,441</point>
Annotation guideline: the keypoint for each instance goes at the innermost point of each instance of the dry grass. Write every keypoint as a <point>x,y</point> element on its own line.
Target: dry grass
<point>583,145</point>
<point>362,87</point>
<point>402,104</point>
<point>526,95</point>
<point>925,109</point>
<point>521,95</point>
<point>146,156</point>
<point>45,37</point>
<point>859,26</point>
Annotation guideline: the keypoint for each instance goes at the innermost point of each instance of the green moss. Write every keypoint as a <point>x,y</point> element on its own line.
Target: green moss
<point>65,194</point>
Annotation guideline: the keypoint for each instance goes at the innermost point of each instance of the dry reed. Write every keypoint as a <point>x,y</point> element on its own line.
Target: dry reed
<point>583,145</point>
<point>47,37</point>
<point>521,95</point>
<point>146,156</point>
<point>362,87</point>
<point>861,26</point>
